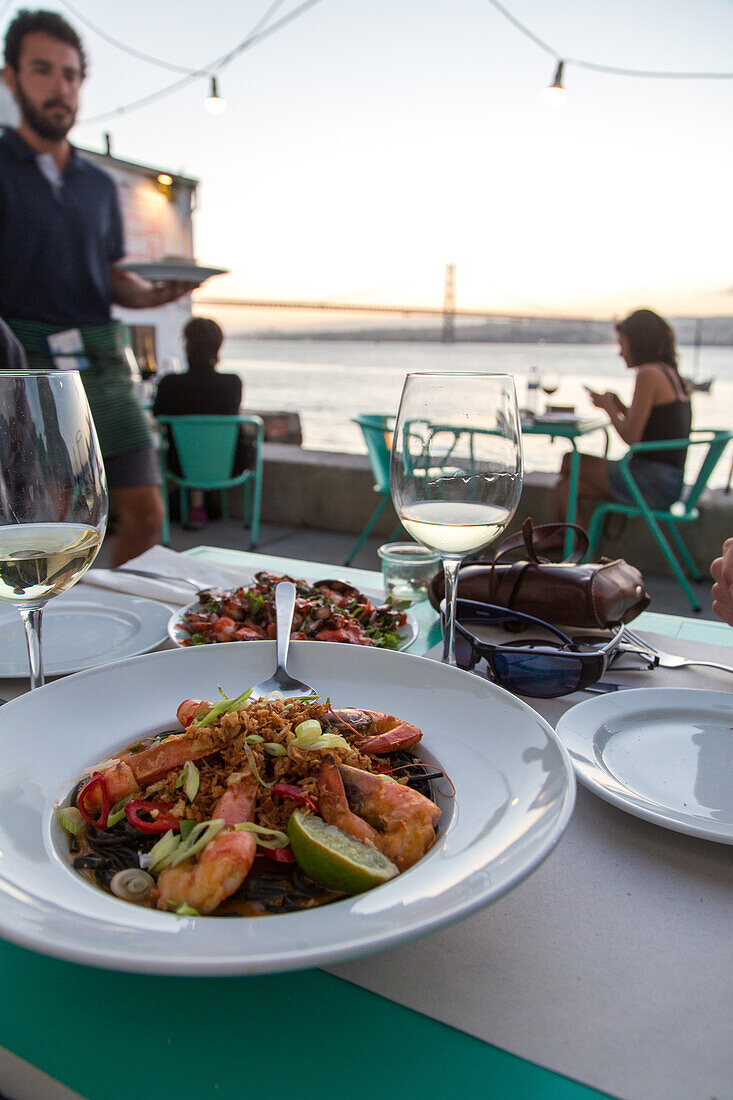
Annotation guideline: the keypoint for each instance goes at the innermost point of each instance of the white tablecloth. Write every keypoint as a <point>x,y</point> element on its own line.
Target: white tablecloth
<point>612,964</point>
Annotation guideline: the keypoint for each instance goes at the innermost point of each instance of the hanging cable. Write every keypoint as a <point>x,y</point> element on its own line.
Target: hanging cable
<point>147,57</point>
<point>612,69</point>
<point>252,39</point>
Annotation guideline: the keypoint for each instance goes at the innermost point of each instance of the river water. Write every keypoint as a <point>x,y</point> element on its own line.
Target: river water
<point>330,381</point>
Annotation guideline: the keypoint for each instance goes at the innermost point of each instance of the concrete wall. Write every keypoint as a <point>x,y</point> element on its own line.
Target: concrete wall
<point>334,492</point>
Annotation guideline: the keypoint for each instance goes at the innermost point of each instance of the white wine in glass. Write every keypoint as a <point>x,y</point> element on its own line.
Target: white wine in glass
<point>456,468</point>
<point>53,494</point>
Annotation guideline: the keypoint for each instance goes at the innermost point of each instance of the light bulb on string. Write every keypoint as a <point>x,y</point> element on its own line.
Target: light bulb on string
<point>555,93</point>
<point>213,102</point>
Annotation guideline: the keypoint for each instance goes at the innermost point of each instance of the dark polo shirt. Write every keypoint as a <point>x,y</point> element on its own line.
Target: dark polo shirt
<point>56,243</point>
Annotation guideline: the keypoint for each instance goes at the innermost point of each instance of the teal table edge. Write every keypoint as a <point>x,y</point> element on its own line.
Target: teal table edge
<point>107,1034</point>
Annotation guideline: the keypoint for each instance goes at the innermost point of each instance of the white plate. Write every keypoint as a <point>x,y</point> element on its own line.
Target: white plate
<point>663,754</point>
<point>83,629</point>
<point>514,796</point>
<point>170,270</point>
<point>178,633</point>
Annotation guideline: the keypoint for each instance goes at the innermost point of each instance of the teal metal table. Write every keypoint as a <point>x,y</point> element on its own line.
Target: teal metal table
<point>106,1034</point>
<point>572,430</point>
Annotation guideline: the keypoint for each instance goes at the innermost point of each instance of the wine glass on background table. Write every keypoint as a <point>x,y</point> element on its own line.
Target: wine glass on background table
<point>456,468</point>
<point>550,382</point>
<point>53,494</point>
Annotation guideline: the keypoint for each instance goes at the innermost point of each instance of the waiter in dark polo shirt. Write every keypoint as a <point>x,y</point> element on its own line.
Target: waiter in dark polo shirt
<point>60,245</point>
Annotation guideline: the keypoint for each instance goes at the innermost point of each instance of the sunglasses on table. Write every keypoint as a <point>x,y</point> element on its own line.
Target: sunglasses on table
<point>538,667</point>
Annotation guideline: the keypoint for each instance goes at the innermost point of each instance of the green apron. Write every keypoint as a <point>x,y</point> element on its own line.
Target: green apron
<point>121,422</point>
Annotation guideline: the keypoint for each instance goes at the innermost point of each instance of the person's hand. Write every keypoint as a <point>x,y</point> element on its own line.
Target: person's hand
<point>171,290</point>
<point>721,571</point>
<point>129,290</point>
<point>607,401</point>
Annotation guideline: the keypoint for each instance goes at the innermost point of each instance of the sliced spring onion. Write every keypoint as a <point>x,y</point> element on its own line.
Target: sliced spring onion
<point>161,853</point>
<point>197,839</point>
<point>325,741</point>
<point>189,780</point>
<point>132,884</point>
<point>222,707</point>
<point>310,728</point>
<point>273,748</point>
<point>186,910</point>
<point>253,767</point>
<point>253,739</point>
<point>187,827</point>
<point>70,819</point>
<point>117,812</point>
<point>266,838</point>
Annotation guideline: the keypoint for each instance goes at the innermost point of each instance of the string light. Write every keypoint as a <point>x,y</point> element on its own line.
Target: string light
<point>555,93</point>
<point>556,88</point>
<point>213,102</point>
<point>253,38</point>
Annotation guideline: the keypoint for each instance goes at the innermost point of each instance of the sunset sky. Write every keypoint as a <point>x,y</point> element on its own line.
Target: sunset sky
<point>367,145</point>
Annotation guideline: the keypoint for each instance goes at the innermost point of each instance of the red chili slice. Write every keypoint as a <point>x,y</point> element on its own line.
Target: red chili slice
<point>280,855</point>
<point>97,781</point>
<point>160,824</point>
<point>289,790</point>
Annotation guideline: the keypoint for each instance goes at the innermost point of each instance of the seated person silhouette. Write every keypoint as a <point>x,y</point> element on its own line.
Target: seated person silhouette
<point>202,391</point>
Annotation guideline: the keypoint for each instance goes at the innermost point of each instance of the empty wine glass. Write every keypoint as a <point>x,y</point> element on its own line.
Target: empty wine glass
<point>550,382</point>
<point>53,494</point>
<point>456,468</point>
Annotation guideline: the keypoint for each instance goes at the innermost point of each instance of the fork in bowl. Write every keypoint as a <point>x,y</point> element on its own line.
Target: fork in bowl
<point>281,680</point>
<point>668,660</point>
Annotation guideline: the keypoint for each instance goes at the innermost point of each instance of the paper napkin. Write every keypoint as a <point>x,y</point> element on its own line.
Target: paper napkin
<point>170,588</point>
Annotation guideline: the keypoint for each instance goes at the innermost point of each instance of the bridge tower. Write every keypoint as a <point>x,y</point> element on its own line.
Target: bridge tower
<point>449,305</point>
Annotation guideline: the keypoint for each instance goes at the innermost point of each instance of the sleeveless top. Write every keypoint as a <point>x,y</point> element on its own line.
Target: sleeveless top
<point>672,420</point>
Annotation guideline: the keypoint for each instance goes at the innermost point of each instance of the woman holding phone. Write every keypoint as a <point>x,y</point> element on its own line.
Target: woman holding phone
<point>660,409</point>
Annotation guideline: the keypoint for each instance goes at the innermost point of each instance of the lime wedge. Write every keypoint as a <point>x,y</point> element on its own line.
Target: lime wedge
<point>334,859</point>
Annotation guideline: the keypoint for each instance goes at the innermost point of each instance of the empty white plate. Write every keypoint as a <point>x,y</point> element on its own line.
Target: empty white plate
<point>83,629</point>
<point>663,754</point>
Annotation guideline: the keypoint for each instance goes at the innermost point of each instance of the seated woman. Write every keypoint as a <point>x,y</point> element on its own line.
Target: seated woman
<point>202,391</point>
<point>660,409</point>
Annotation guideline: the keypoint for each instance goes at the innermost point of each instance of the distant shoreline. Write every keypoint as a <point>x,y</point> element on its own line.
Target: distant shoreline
<point>433,338</point>
<point>690,332</point>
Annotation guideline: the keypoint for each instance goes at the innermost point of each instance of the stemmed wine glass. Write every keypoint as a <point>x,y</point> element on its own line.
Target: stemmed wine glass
<point>456,468</point>
<point>53,494</point>
<point>550,382</point>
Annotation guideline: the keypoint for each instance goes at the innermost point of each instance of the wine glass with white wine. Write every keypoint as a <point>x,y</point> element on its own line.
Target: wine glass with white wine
<point>53,494</point>
<point>456,468</point>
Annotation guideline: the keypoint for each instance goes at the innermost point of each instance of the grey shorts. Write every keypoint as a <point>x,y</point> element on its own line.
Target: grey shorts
<point>133,469</point>
<point>660,483</point>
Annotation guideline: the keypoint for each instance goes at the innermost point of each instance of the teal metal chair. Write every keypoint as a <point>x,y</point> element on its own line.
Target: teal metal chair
<point>377,432</point>
<point>683,511</point>
<point>206,446</point>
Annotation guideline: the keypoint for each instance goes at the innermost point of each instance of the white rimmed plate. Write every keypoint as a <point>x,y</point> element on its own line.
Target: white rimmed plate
<point>178,633</point>
<point>83,629</point>
<point>514,796</point>
<point>169,271</point>
<point>662,754</point>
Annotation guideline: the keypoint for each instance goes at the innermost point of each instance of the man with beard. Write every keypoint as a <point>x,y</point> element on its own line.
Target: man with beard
<point>61,242</point>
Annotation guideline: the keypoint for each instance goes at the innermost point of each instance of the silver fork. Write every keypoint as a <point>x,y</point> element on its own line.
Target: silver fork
<point>281,680</point>
<point>159,576</point>
<point>668,660</point>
